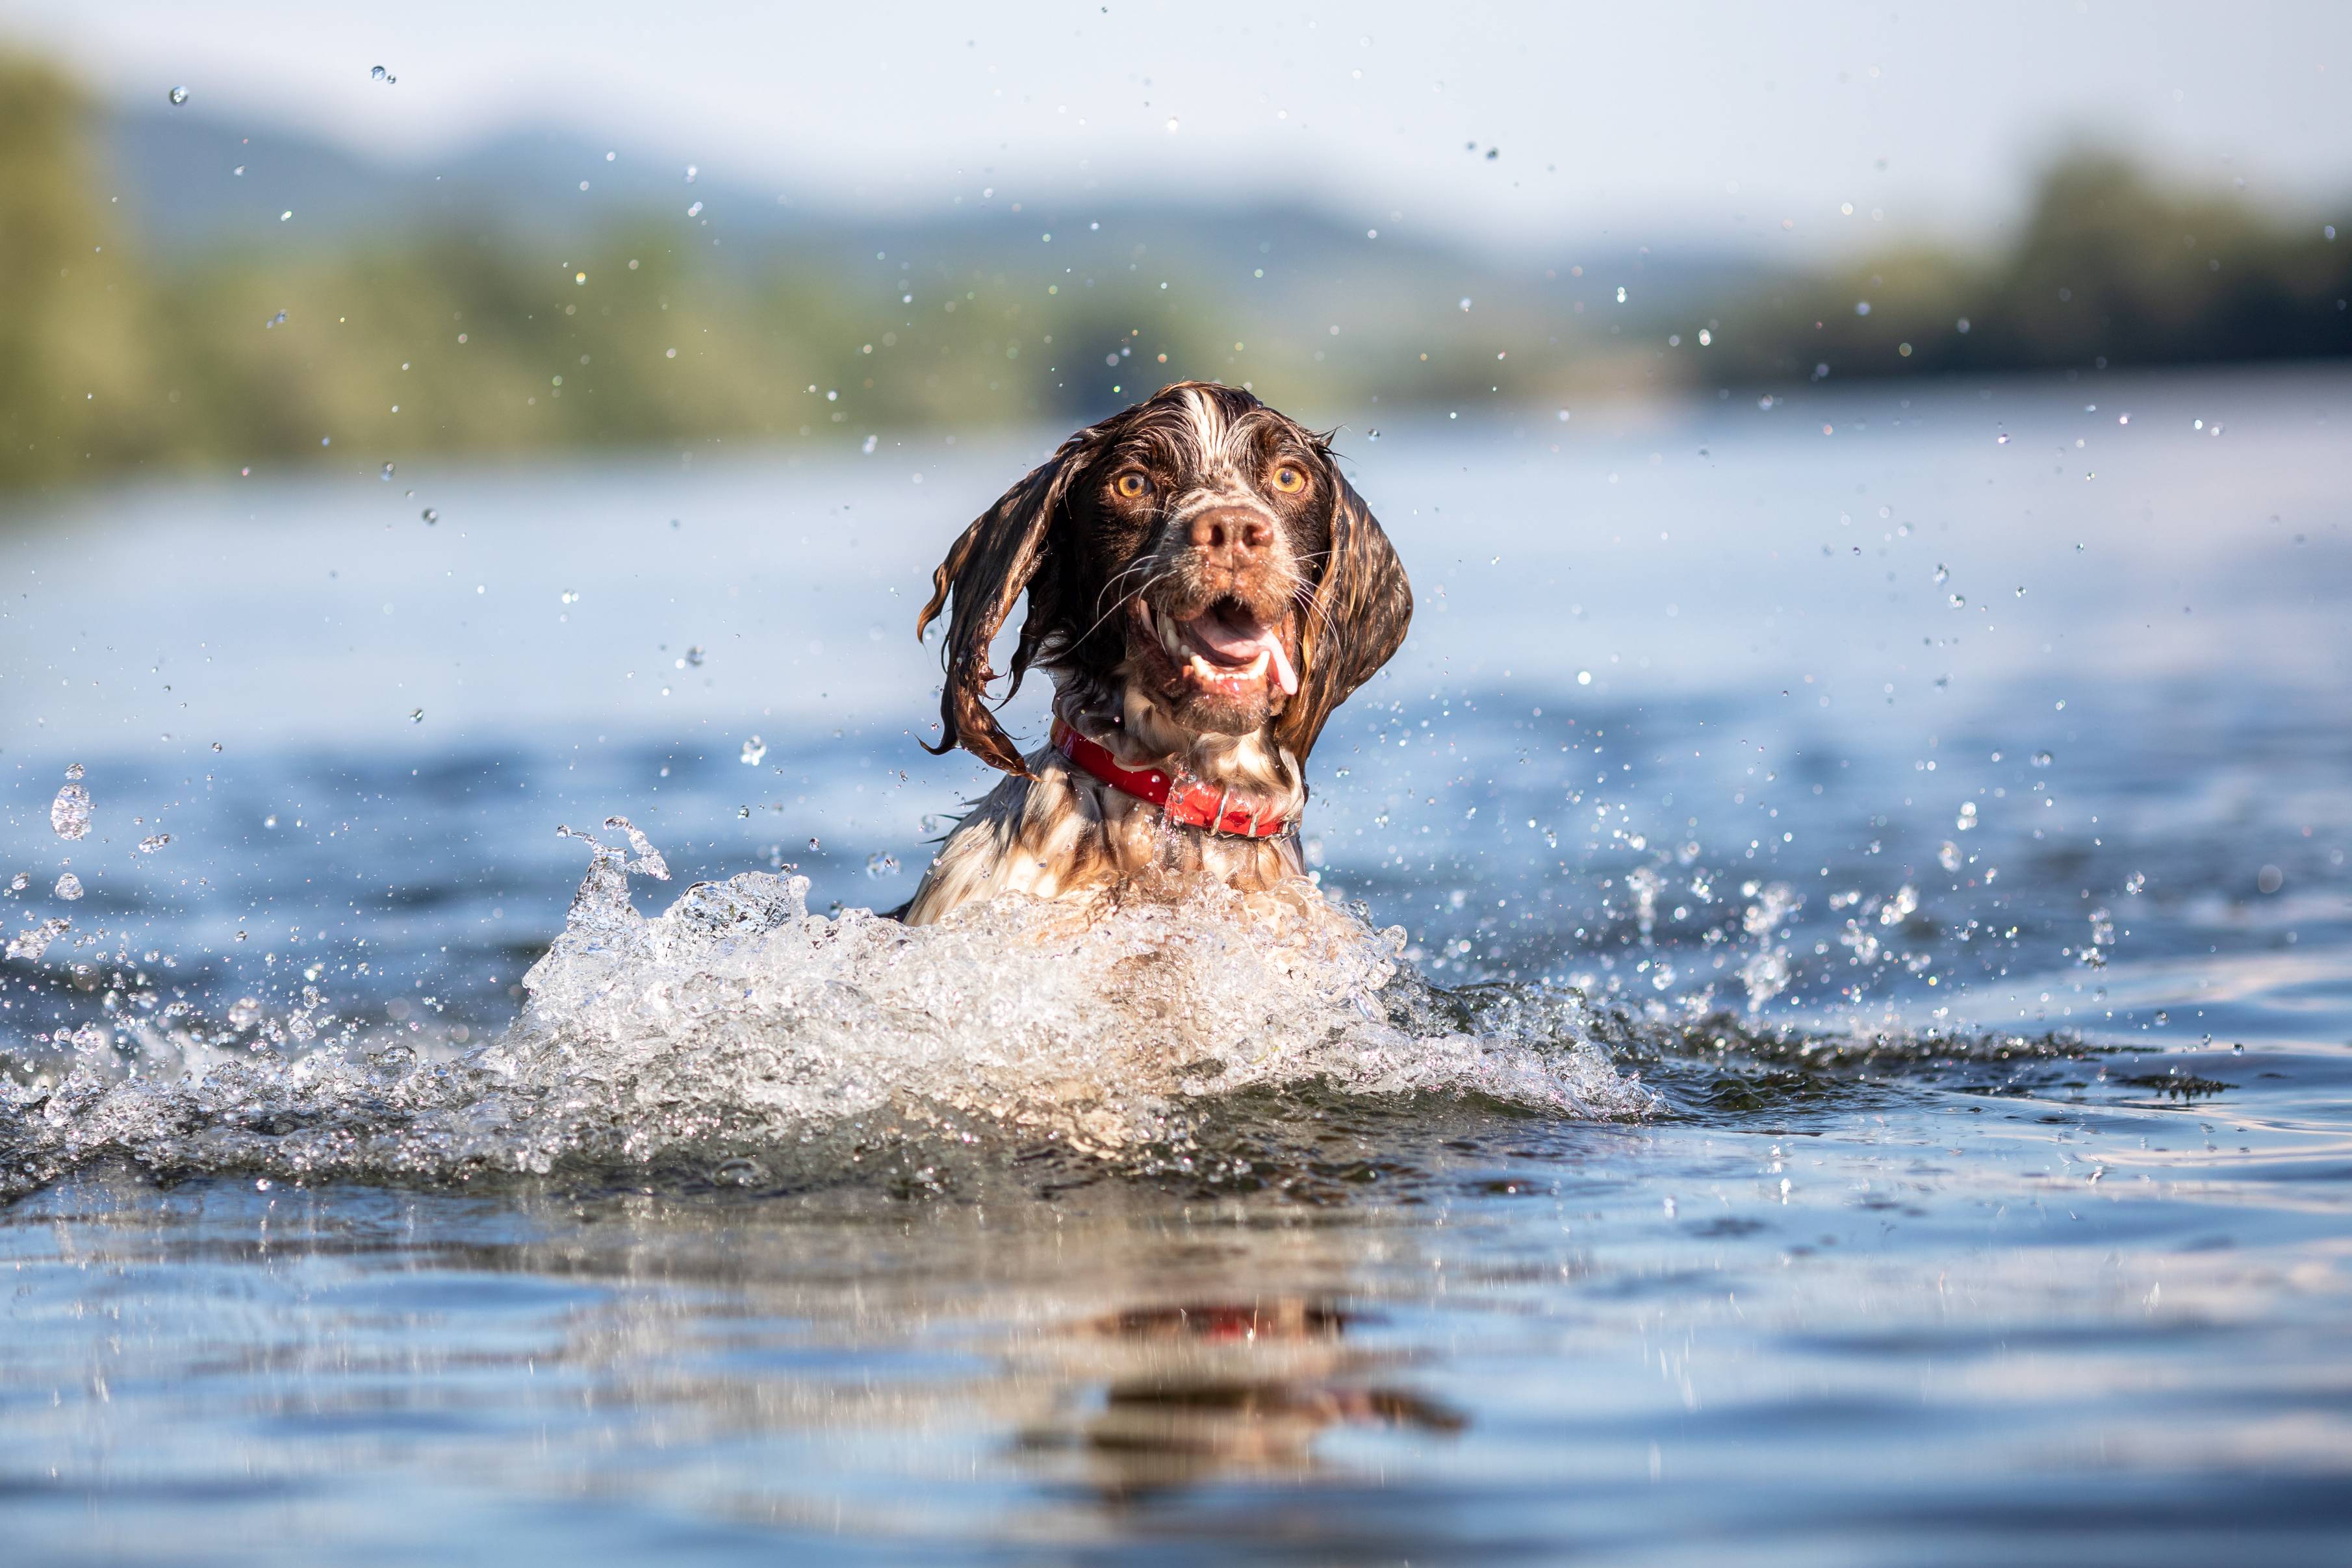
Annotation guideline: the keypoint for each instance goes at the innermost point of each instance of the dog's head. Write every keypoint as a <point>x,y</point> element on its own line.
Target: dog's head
<point>1198,551</point>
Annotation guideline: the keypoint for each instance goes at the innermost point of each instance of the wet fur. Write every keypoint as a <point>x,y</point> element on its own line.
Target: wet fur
<point>1052,830</point>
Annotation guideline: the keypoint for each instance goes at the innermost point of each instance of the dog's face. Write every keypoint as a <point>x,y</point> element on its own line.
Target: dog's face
<point>1197,527</point>
<point>1200,550</point>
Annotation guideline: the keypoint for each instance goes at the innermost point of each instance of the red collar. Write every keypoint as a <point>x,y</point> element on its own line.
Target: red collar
<point>1194,806</point>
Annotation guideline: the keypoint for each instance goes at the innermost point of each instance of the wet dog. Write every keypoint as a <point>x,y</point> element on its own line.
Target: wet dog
<point>1204,589</point>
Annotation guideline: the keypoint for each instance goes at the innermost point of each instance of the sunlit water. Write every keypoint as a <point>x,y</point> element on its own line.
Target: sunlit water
<point>1826,1031</point>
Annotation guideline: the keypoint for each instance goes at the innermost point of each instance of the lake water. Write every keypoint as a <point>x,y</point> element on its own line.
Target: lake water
<point>1844,1055</point>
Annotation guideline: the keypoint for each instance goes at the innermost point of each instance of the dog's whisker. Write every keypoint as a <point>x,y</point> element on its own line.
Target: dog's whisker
<point>1127,571</point>
<point>1115,609</point>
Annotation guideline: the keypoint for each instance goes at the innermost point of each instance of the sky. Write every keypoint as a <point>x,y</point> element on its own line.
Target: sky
<point>1739,123</point>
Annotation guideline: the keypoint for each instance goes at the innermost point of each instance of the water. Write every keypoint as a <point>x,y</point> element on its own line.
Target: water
<point>1810,1064</point>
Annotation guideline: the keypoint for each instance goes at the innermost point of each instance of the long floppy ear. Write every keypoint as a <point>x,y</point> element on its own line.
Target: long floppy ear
<point>993,561</point>
<point>1355,621</point>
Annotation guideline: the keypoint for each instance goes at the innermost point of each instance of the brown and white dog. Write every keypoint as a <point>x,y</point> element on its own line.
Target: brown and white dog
<point>1204,589</point>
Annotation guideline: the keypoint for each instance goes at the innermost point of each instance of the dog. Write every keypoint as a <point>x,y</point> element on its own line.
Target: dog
<point>1204,589</point>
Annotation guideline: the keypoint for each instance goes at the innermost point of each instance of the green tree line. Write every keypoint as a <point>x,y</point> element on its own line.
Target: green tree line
<point>463,341</point>
<point>2109,270</point>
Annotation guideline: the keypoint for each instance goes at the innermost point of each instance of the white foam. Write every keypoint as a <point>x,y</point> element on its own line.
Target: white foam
<point>737,1026</point>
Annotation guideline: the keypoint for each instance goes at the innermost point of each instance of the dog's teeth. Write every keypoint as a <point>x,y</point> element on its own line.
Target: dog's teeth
<point>1200,668</point>
<point>1256,670</point>
<point>1286,676</point>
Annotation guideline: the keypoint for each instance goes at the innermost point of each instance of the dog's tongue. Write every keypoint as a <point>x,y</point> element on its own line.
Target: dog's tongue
<point>1238,644</point>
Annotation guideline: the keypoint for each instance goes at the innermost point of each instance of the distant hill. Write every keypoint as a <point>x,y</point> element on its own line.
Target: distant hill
<point>176,173</point>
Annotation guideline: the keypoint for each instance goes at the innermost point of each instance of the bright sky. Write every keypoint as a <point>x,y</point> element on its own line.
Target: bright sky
<point>1707,122</point>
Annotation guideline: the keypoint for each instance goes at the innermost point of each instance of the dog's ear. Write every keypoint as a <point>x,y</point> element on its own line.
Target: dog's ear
<point>994,560</point>
<point>1355,620</point>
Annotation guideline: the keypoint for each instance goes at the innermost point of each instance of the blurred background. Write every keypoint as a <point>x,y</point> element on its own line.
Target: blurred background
<point>418,432</point>
<point>248,238</point>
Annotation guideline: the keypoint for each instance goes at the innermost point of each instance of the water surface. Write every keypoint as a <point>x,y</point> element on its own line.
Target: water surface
<point>1845,1055</point>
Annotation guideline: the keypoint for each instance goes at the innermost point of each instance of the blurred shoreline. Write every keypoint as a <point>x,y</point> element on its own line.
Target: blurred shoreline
<point>471,317</point>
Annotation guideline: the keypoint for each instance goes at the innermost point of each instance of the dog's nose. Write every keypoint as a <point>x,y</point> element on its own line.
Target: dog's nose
<point>1235,531</point>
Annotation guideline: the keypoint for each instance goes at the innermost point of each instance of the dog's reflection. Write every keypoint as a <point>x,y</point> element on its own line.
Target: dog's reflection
<point>1188,1393</point>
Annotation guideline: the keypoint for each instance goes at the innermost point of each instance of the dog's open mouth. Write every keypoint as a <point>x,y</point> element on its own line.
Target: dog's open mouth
<point>1224,648</point>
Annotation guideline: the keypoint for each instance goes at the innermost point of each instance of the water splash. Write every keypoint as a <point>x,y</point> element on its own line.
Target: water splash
<point>737,1029</point>
<point>34,940</point>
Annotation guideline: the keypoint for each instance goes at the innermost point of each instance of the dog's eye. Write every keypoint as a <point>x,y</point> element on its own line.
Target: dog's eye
<point>1289,480</point>
<point>1131,485</point>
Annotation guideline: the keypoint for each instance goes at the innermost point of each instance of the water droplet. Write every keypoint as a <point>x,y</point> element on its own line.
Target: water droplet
<point>814,845</point>
<point>378,73</point>
<point>69,812</point>
<point>416,716</point>
<point>1948,857</point>
<point>695,656</point>
<point>869,442</point>
<point>34,940</point>
<point>431,515</point>
<point>73,771</point>
<point>68,886</point>
<point>2162,1017</point>
<point>879,866</point>
<point>1621,293</point>
<point>153,842</point>
<point>20,881</point>
<point>1960,600</point>
<point>569,596</point>
<point>216,746</point>
<point>1943,573</point>
<point>695,211</point>
<point>245,1013</point>
<point>178,95</point>
<point>1372,435</point>
<point>2043,759</point>
<point>690,172</point>
<point>745,811</point>
<point>754,750</point>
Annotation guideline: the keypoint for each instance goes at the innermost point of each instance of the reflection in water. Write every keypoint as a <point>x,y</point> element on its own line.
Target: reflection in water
<point>1176,1394</point>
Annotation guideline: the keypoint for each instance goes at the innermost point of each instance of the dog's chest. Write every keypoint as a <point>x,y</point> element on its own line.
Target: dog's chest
<point>1065,833</point>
